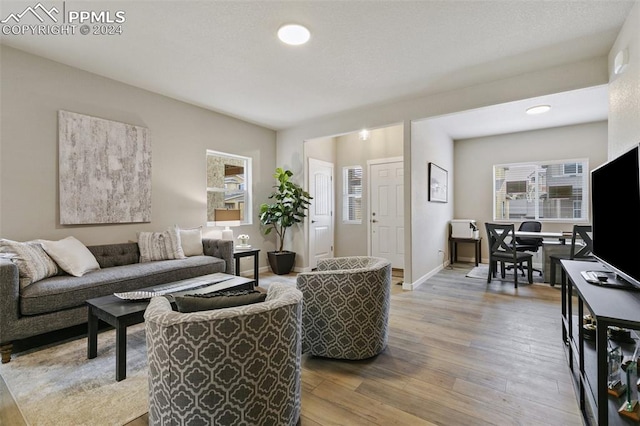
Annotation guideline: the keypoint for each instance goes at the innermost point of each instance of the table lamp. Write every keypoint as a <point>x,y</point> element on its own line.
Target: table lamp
<point>227,218</point>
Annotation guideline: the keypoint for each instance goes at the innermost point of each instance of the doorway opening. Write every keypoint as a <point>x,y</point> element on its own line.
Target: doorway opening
<point>351,214</point>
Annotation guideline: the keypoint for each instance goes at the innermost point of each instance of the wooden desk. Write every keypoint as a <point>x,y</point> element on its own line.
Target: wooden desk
<point>542,234</point>
<point>453,248</point>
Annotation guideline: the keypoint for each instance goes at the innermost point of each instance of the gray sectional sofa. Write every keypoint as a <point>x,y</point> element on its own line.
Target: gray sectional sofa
<point>58,302</point>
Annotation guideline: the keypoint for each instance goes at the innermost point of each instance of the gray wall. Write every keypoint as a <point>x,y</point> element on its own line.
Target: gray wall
<point>429,220</point>
<point>475,158</point>
<point>323,149</point>
<point>34,89</point>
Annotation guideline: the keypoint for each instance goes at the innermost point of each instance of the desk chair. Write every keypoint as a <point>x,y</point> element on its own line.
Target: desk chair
<point>528,244</point>
<point>577,252</point>
<point>505,252</point>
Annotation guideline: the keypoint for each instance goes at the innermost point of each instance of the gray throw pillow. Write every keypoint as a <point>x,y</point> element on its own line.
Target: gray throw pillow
<point>218,300</point>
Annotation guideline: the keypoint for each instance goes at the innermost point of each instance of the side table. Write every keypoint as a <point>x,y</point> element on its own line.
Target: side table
<point>118,314</point>
<point>453,248</point>
<point>239,253</point>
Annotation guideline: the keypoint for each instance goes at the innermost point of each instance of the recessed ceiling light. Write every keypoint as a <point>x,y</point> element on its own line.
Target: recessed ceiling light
<point>293,34</point>
<point>538,109</point>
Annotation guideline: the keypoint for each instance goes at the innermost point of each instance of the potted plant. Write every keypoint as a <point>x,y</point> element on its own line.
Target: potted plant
<point>290,202</point>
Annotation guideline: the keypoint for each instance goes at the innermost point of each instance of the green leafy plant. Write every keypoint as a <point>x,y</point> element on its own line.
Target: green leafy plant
<point>290,202</point>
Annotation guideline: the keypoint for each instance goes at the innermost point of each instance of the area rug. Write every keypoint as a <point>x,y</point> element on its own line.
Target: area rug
<point>482,271</point>
<point>58,385</point>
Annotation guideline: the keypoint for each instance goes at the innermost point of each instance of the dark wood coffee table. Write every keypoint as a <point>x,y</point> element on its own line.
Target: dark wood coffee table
<point>122,313</point>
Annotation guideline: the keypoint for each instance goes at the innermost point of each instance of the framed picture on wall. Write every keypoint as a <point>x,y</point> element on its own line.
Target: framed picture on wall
<point>437,184</point>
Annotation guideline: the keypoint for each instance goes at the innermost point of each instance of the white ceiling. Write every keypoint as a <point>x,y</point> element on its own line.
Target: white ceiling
<point>574,107</point>
<point>225,56</point>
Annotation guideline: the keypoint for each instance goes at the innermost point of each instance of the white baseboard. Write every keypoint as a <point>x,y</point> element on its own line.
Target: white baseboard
<point>417,283</point>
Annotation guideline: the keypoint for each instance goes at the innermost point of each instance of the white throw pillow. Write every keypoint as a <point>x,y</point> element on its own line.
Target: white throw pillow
<point>160,245</point>
<point>191,241</point>
<point>30,258</point>
<point>72,256</point>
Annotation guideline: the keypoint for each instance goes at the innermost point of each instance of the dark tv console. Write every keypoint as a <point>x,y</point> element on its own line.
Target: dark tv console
<point>588,359</point>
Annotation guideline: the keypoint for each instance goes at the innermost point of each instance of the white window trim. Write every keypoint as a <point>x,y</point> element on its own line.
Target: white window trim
<point>248,206</point>
<point>346,196</point>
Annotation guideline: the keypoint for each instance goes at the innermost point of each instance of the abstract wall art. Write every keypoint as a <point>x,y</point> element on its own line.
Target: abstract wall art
<point>104,171</point>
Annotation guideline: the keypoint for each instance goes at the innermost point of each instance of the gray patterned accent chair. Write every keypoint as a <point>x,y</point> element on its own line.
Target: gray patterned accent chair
<point>346,307</point>
<point>232,366</point>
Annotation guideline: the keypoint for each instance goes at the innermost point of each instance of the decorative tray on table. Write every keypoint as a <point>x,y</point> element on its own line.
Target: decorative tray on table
<point>135,295</point>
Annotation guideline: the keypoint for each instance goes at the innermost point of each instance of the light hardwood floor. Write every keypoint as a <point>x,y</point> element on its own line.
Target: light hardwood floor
<point>460,352</point>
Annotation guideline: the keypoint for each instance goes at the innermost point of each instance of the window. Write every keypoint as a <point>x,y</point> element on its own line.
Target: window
<point>228,185</point>
<point>545,191</point>
<point>352,194</point>
<point>572,168</point>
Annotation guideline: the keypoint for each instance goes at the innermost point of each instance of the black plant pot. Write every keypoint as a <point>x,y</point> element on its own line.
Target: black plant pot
<point>281,262</point>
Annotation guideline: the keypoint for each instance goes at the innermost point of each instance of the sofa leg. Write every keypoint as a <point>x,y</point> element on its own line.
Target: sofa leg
<point>5,350</point>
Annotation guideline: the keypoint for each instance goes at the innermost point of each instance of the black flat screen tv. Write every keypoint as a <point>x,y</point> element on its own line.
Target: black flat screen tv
<point>615,203</point>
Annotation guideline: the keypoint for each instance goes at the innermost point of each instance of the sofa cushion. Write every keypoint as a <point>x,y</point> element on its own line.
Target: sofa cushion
<point>218,300</point>
<point>62,292</point>
<point>109,255</point>
<point>160,245</point>
<point>33,263</point>
<point>71,255</point>
<point>191,241</point>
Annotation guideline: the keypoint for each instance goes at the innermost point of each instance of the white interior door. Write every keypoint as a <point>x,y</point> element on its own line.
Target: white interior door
<point>321,211</point>
<point>387,211</point>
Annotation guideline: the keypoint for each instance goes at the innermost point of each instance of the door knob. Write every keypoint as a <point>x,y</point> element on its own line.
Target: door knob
<point>313,221</point>
<point>374,221</point>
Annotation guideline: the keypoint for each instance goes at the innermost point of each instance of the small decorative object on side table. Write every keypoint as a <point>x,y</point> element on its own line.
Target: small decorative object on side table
<point>630,407</point>
<point>244,241</point>
<point>615,386</point>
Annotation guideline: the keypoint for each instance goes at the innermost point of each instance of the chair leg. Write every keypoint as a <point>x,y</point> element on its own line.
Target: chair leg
<point>491,267</point>
<point>530,263</point>
<point>515,275</point>
<point>502,270</point>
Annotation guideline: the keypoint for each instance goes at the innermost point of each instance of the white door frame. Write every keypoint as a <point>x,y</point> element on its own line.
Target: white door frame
<point>310,252</point>
<point>369,164</point>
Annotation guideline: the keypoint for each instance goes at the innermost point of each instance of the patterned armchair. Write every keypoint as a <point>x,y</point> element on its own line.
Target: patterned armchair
<point>345,314</point>
<point>233,366</point>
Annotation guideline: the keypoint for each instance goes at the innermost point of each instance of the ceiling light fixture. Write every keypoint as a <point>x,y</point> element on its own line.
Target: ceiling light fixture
<point>364,134</point>
<point>294,34</point>
<point>538,109</point>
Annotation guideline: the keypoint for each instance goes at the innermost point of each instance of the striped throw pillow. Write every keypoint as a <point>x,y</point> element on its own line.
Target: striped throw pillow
<point>160,245</point>
<point>33,263</point>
